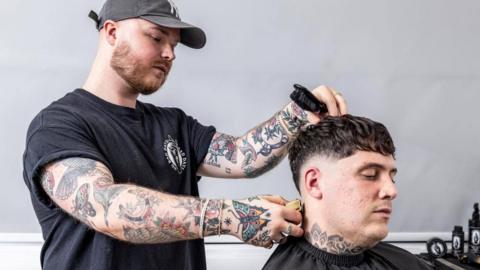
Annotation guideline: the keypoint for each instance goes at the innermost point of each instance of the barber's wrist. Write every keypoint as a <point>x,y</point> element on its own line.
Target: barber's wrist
<point>211,217</point>
<point>227,225</point>
<point>293,118</point>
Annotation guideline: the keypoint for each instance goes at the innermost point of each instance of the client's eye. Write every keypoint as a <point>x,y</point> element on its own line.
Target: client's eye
<point>370,174</point>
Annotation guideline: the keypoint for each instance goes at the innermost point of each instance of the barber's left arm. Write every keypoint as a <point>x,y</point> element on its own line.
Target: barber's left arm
<point>264,146</point>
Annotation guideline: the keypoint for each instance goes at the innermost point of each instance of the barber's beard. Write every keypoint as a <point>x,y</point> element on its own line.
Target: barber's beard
<point>136,73</point>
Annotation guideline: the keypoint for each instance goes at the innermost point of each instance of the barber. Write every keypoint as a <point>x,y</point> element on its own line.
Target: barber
<point>109,174</point>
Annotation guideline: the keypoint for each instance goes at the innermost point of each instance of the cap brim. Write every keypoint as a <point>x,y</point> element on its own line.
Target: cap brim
<point>190,35</point>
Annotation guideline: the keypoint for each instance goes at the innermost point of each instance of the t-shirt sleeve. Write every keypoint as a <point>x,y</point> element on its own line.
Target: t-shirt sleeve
<point>200,138</point>
<point>49,141</point>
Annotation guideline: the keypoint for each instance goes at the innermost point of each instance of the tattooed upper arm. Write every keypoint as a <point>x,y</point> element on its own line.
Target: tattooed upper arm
<point>73,184</point>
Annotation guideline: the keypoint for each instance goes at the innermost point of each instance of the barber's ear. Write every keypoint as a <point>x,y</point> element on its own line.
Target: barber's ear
<point>311,180</point>
<point>110,28</point>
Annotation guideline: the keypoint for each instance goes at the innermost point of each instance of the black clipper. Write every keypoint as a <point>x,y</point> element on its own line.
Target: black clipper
<point>307,101</point>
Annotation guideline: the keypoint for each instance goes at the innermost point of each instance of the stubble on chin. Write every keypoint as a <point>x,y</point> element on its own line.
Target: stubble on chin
<point>136,74</point>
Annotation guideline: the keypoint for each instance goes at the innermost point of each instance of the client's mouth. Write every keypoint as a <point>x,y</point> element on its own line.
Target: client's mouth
<point>387,211</point>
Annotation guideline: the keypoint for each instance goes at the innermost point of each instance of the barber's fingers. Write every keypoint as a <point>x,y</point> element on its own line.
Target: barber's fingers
<point>334,100</point>
<point>287,229</point>
<point>274,199</point>
<point>326,95</point>
<point>292,215</point>
<point>293,230</point>
<point>341,103</point>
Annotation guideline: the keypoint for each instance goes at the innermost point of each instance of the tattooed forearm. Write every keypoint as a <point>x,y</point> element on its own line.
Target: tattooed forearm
<point>193,207</point>
<point>141,211</point>
<point>104,193</point>
<point>258,150</point>
<point>127,212</point>
<point>165,229</point>
<point>82,207</point>
<point>270,163</point>
<point>293,117</point>
<point>331,243</point>
<point>269,136</point>
<point>75,168</point>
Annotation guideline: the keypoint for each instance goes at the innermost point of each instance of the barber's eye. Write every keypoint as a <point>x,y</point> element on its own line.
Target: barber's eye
<point>156,39</point>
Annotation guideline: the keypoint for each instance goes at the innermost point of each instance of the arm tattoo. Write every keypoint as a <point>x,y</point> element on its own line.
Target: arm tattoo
<point>48,182</point>
<point>105,192</point>
<point>82,207</point>
<point>222,146</point>
<point>142,211</point>
<point>193,208</point>
<point>294,119</point>
<point>143,226</point>
<point>76,167</point>
<point>250,219</point>
<point>271,135</point>
<point>249,153</point>
<point>271,162</point>
<point>212,217</point>
<point>331,243</point>
<point>164,229</point>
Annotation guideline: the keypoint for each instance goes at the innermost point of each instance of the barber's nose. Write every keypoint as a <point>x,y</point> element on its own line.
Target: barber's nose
<point>388,189</point>
<point>168,53</point>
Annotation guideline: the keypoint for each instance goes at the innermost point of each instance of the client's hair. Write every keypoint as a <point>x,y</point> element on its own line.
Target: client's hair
<point>338,137</point>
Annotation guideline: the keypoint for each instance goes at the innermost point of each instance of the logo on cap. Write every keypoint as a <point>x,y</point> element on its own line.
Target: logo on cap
<point>173,9</point>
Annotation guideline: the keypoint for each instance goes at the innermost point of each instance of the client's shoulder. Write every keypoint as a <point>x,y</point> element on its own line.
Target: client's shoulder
<point>398,256</point>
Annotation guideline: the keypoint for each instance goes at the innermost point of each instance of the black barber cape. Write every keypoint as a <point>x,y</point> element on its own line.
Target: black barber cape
<point>298,254</point>
<point>158,148</point>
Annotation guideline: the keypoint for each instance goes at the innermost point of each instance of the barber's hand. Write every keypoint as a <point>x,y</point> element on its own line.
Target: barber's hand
<point>334,100</point>
<point>293,118</point>
<point>260,220</point>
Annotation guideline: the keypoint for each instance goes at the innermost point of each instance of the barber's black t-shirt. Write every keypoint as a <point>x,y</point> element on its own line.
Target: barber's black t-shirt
<point>158,148</point>
<point>298,254</point>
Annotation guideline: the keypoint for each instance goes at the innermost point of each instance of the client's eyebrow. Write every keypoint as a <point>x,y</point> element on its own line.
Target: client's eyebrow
<point>373,165</point>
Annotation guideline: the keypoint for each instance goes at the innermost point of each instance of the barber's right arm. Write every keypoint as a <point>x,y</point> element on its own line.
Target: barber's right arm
<point>85,189</point>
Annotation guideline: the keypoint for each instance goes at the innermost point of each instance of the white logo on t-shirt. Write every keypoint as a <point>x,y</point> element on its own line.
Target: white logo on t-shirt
<point>175,156</point>
<point>173,8</point>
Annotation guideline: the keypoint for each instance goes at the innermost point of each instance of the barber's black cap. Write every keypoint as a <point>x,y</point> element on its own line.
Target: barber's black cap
<point>161,12</point>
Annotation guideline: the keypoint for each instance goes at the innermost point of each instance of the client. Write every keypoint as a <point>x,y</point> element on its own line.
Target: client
<point>343,168</point>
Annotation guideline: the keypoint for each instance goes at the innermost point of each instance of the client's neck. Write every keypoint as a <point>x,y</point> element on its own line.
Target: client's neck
<point>331,242</point>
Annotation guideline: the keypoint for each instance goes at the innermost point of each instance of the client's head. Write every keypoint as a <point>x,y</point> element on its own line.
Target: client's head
<point>344,167</point>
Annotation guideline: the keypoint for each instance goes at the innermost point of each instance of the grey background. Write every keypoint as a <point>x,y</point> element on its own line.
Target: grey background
<point>413,65</point>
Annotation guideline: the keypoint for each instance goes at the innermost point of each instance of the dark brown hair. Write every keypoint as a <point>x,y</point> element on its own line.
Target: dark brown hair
<point>338,137</point>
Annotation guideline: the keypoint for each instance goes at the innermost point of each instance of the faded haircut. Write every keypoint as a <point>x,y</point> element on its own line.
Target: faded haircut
<point>337,138</point>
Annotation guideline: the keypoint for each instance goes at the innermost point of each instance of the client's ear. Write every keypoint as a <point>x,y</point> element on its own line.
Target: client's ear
<point>311,181</point>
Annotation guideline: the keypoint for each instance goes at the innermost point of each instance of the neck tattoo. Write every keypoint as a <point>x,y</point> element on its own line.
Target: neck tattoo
<point>334,244</point>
